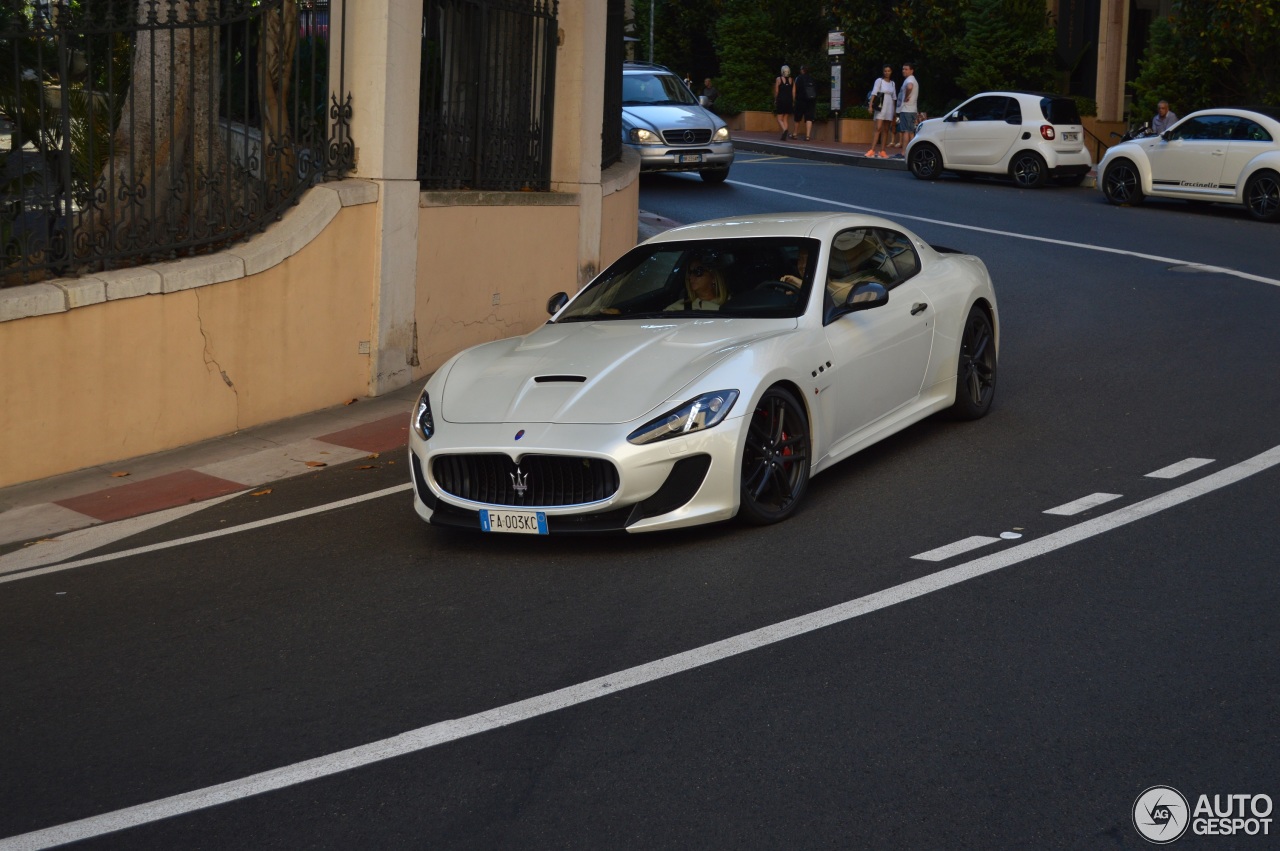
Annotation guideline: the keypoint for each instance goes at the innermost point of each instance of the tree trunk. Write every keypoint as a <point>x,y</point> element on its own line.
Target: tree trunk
<point>169,162</point>
<point>275,69</point>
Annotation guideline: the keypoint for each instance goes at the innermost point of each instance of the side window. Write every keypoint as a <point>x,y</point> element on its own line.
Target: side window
<point>1207,127</point>
<point>906,262</point>
<point>1251,131</point>
<point>988,108</point>
<point>1013,113</point>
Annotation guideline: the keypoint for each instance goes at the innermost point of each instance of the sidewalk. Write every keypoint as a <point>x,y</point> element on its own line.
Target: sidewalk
<point>236,462</point>
<point>844,153</point>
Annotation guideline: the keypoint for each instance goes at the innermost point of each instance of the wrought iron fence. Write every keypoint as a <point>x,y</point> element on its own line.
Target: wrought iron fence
<point>614,54</point>
<point>488,86</point>
<point>138,130</point>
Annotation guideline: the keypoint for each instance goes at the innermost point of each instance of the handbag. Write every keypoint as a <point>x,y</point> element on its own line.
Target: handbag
<point>877,102</point>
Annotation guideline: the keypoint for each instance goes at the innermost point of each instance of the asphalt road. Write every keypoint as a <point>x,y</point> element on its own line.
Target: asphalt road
<point>1022,695</point>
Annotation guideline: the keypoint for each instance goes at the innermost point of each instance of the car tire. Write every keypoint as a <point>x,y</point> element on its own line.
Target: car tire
<point>1028,170</point>
<point>1262,196</point>
<point>1070,179</point>
<point>775,460</point>
<point>976,368</point>
<point>925,162</point>
<point>1122,185</point>
<point>714,175</point>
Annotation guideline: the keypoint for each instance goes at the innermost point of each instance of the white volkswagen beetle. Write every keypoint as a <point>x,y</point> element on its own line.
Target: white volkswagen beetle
<point>1230,156</point>
<point>707,373</point>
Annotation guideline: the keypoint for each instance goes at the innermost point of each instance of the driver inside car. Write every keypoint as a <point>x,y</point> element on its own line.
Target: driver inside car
<point>704,285</point>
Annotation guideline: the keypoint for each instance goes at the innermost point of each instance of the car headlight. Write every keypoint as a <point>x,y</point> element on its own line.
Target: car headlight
<point>645,137</point>
<point>722,135</point>
<point>424,425</point>
<point>695,415</point>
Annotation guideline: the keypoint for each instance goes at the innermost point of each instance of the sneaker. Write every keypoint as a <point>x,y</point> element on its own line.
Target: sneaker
<point>871,153</point>
<point>883,155</point>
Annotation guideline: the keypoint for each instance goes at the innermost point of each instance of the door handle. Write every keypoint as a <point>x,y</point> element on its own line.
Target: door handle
<point>918,307</point>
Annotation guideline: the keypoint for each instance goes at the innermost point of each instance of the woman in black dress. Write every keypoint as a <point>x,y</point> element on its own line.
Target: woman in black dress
<point>784,99</point>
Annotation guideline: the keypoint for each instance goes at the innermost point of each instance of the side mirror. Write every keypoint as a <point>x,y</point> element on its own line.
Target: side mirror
<point>556,302</point>
<point>863,296</point>
<point>1167,135</point>
<point>955,116</point>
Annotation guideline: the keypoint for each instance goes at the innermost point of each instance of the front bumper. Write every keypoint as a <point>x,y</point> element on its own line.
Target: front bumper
<point>715,155</point>
<point>670,484</point>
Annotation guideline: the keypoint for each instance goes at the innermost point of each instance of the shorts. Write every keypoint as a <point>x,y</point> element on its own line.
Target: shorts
<point>805,110</point>
<point>906,122</point>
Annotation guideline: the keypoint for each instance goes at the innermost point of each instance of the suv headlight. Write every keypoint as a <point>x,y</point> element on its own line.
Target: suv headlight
<point>722,135</point>
<point>424,425</point>
<point>640,136</point>
<point>695,415</point>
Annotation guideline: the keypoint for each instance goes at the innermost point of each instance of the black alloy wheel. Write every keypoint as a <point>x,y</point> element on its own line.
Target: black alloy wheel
<point>1028,170</point>
<point>1121,184</point>
<point>976,371</point>
<point>1262,196</point>
<point>775,462</point>
<point>925,162</point>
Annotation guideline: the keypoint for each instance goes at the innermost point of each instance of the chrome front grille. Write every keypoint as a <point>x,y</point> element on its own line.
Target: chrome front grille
<point>538,480</point>
<point>686,137</point>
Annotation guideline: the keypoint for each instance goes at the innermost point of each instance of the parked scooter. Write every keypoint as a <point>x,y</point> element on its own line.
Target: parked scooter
<point>1135,131</point>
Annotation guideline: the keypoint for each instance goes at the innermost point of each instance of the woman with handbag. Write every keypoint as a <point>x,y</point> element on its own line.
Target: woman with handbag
<point>883,96</point>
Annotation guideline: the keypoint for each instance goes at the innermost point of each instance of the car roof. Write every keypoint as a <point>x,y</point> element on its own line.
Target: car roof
<point>632,65</point>
<point>816,225</point>
<point>1270,115</point>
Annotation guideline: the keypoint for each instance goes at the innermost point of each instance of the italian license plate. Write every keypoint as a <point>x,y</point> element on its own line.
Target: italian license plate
<point>691,158</point>
<point>1070,137</point>
<point>519,522</point>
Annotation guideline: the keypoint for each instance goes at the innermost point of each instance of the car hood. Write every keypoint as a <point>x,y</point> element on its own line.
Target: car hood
<point>670,117</point>
<point>592,372</point>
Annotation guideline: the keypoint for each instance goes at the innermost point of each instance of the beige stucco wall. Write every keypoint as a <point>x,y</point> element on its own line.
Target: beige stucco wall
<point>619,221</point>
<point>471,255</point>
<point>125,377</point>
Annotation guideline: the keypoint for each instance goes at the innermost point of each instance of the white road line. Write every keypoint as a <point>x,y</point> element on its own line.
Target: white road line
<point>449,731</point>
<point>1084,503</point>
<point>164,545</point>
<point>71,544</point>
<point>1171,261</point>
<point>1175,470</point>
<point>942,553</point>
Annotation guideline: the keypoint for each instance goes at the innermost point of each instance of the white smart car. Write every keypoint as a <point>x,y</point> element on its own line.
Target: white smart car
<point>1230,156</point>
<point>1030,137</point>
<point>706,373</point>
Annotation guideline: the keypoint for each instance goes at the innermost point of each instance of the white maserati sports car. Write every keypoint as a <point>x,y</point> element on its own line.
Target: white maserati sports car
<point>707,373</point>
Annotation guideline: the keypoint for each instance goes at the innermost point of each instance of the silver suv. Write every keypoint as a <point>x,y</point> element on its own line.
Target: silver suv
<point>1031,137</point>
<point>664,123</point>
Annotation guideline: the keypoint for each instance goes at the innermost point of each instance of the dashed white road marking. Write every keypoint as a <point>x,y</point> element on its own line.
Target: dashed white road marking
<point>1084,503</point>
<point>1175,470</point>
<point>449,731</point>
<point>1171,261</point>
<point>968,544</point>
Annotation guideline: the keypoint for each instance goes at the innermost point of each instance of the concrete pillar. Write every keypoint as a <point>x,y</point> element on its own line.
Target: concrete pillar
<point>383,41</point>
<point>579,113</point>
<point>1113,41</point>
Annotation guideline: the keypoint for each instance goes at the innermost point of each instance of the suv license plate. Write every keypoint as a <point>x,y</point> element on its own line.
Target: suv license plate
<point>691,158</point>
<point>519,522</point>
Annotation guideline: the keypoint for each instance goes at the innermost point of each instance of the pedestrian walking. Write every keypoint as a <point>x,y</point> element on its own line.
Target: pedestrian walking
<point>909,101</point>
<point>709,93</point>
<point>806,98</point>
<point>784,99</point>
<point>883,95</point>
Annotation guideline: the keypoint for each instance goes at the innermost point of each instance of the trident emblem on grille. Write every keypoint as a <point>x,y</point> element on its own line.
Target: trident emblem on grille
<point>519,481</point>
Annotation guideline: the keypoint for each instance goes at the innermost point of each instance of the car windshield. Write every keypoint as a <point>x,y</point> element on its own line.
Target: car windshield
<point>648,89</point>
<point>757,278</point>
<point>1060,110</point>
